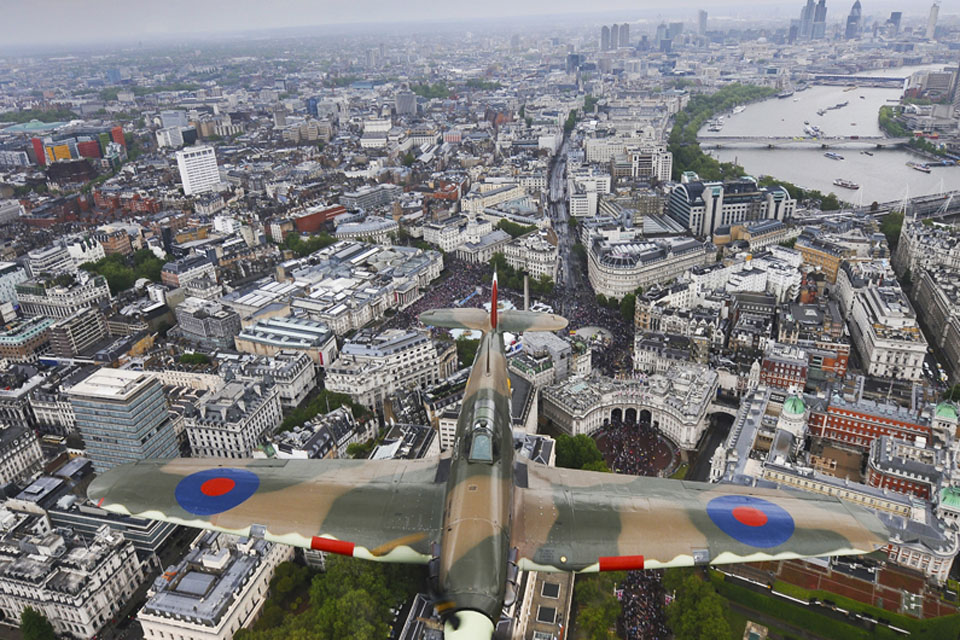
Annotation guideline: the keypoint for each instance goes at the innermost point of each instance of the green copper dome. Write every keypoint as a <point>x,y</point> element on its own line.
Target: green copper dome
<point>794,406</point>
<point>946,410</point>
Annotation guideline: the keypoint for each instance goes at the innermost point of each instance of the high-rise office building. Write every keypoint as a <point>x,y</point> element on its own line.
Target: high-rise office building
<point>405,103</point>
<point>312,108</point>
<point>818,30</point>
<point>615,36</point>
<point>676,28</point>
<point>702,22</point>
<point>853,22</point>
<point>893,23</point>
<point>624,35</point>
<point>806,20</point>
<point>604,38</point>
<point>932,21</point>
<point>122,417</point>
<point>662,33</point>
<point>198,169</point>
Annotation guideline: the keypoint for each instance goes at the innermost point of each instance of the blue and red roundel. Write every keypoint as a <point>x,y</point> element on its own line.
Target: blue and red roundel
<point>750,520</point>
<point>212,491</point>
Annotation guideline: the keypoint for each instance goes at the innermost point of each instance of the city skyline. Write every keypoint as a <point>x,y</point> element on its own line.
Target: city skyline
<point>71,23</point>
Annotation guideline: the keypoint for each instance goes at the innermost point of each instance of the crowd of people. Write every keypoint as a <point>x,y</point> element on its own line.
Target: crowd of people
<point>461,280</point>
<point>580,308</point>
<point>634,449</point>
<point>641,602</point>
<point>637,449</point>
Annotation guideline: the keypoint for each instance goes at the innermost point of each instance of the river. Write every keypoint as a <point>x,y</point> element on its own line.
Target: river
<point>882,177</point>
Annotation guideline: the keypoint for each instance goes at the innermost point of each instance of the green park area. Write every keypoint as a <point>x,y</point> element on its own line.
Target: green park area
<point>824,626</point>
<point>350,600</point>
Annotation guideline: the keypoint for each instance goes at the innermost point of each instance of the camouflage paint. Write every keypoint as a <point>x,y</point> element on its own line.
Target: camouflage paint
<point>478,512</point>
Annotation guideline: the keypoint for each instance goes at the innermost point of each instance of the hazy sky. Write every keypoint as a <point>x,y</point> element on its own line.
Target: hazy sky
<point>66,21</point>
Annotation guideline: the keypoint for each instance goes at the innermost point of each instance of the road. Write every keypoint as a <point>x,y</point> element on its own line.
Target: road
<point>716,433</point>
<point>569,276</point>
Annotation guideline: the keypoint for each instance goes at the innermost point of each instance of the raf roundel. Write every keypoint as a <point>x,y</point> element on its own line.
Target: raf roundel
<point>750,520</point>
<point>213,491</point>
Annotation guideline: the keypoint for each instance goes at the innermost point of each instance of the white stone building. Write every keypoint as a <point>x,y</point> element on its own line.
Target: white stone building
<point>884,329</point>
<point>675,402</point>
<point>79,586</point>
<point>233,421</point>
<point>216,590</point>
<point>535,253</point>
<point>371,366</point>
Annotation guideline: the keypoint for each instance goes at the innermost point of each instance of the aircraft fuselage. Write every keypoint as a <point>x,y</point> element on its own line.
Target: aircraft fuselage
<point>475,540</point>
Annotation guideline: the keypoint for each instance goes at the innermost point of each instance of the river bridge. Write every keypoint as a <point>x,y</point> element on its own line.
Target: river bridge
<point>859,81</point>
<point>822,142</point>
<point>936,206</point>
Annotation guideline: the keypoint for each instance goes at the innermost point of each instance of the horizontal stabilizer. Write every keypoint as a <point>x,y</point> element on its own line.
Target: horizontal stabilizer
<point>474,319</point>
<point>519,321</point>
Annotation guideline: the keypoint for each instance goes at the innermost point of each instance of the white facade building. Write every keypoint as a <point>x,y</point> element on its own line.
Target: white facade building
<point>78,586</point>
<point>884,329</point>
<point>372,366</point>
<point>170,137</point>
<point>198,170</point>
<point>218,589</point>
<point>233,421</point>
<point>535,254</point>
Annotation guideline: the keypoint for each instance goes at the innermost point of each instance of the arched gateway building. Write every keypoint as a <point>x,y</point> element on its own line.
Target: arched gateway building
<point>677,403</point>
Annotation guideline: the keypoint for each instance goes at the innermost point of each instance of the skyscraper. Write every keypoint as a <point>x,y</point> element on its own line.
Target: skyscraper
<point>122,417</point>
<point>806,20</point>
<point>932,21</point>
<point>604,38</point>
<point>615,36</point>
<point>625,35</point>
<point>198,169</point>
<point>893,23</point>
<point>819,28</point>
<point>853,22</point>
<point>406,103</point>
<point>702,22</point>
<point>662,33</point>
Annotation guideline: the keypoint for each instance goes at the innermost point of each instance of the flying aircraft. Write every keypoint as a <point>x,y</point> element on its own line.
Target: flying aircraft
<point>477,516</point>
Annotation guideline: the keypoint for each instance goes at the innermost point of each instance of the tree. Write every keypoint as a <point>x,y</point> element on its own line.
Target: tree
<point>601,300</point>
<point>697,611</point>
<point>596,608</point>
<point>574,452</point>
<point>467,350</point>
<point>194,358</point>
<point>515,230</point>
<point>628,305</point>
<point>953,394</point>
<point>35,626</point>
<point>890,226</point>
<point>408,159</point>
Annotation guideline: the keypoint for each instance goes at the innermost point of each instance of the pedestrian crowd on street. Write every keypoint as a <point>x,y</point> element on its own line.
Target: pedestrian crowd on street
<point>641,602</point>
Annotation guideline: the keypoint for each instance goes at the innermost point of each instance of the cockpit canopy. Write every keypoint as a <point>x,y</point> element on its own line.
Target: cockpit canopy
<point>483,445</point>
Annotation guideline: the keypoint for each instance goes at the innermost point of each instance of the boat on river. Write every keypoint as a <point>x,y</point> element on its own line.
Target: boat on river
<point>846,184</point>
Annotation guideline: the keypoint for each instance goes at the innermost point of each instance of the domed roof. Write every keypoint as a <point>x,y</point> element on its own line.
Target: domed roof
<point>946,410</point>
<point>794,406</point>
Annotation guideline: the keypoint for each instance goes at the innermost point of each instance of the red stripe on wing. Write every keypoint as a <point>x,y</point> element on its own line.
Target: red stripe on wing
<point>621,563</point>
<point>342,547</point>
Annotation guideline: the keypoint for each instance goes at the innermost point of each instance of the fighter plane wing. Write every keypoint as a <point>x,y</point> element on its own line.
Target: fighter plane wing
<point>386,510</point>
<point>569,520</point>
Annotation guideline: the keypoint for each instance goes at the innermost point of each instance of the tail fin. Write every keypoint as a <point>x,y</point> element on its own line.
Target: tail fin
<point>493,303</point>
